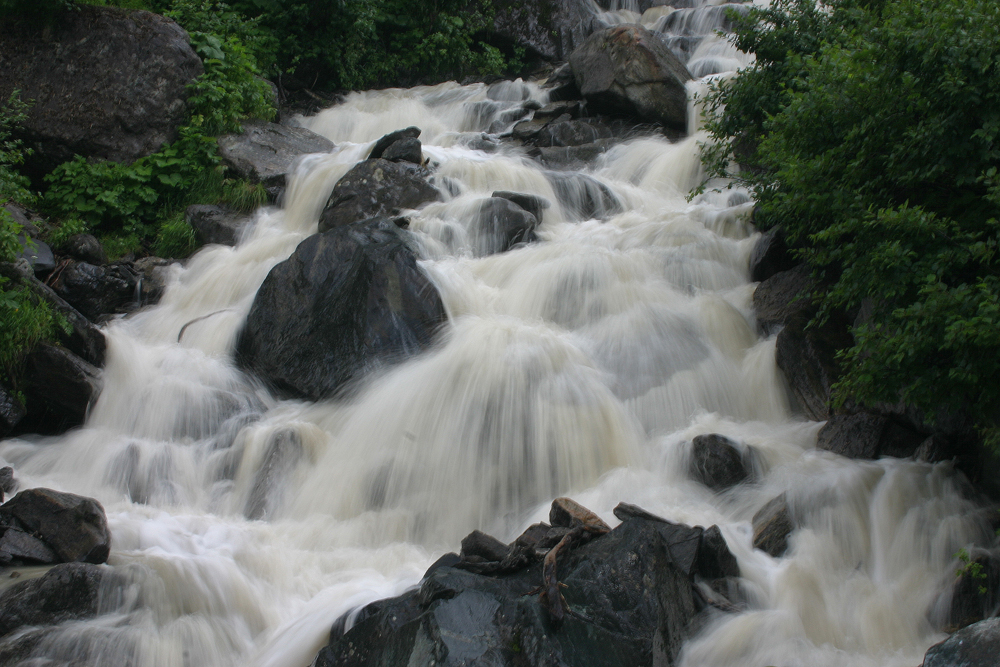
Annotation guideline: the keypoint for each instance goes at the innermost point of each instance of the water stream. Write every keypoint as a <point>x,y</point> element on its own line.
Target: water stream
<point>580,365</point>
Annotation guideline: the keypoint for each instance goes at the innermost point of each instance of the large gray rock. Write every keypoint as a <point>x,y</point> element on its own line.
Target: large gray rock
<point>264,152</point>
<point>346,300</point>
<point>388,140</point>
<point>105,82</point>
<point>977,645</point>
<point>59,387</point>
<point>73,527</point>
<point>98,290</point>
<point>582,196</point>
<point>374,188</point>
<point>67,592</point>
<point>627,70</point>
<point>629,595</point>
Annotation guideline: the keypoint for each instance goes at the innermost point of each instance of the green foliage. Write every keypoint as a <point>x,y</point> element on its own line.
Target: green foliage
<point>868,131</point>
<point>24,321</point>
<point>970,568</point>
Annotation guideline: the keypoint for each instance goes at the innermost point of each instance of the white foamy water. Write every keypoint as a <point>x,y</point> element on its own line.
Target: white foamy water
<point>580,365</point>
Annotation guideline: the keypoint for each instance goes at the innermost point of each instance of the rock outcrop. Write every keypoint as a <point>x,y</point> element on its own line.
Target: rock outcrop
<point>126,73</point>
<point>630,598</point>
<point>974,646</point>
<point>42,526</point>
<point>216,224</point>
<point>627,70</point>
<point>345,301</point>
<point>374,188</point>
<point>265,152</point>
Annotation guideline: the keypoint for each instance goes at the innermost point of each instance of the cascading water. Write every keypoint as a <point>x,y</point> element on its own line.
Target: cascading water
<point>579,365</point>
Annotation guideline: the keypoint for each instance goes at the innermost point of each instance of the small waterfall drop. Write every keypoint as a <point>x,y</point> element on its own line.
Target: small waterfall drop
<point>582,364</point>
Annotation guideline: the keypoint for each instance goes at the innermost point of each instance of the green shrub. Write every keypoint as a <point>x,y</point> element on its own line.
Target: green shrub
<point>874,145</point>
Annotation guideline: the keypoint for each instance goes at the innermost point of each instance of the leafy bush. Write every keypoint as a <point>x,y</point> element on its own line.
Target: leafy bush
<point>869,133</point>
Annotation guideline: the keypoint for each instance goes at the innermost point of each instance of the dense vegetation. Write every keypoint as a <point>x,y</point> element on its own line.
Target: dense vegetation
<point>867,129</point>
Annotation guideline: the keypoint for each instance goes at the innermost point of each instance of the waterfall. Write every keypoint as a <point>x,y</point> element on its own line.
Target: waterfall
<point>582,364</point>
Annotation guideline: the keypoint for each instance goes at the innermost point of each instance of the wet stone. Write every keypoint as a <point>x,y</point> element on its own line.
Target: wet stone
<point>717,462</point>
<point>772,524</point>
<point>389,139</point>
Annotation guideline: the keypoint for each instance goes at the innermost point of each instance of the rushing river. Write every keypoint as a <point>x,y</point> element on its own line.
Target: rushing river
<point>579,365</point>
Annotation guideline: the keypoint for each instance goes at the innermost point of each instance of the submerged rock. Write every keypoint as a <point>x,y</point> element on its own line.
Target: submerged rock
<point>126,72</point>
<point>627,70</point>
<point>55,527</point>
<point>499,224</point>
<point>374,188</point>
<point>583,196</point>
<point>346,300</point>
<point>629,599</point>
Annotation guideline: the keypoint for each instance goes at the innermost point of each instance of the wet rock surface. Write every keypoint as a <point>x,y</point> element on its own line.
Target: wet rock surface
<point>500,224</point>
<point>868,436</point>
<point>976,594</point>
<point>346,300</point>
<point>85,248</point>
<point>96,291</point>
<point>627,597</point>
<point>59,388</point>
<point>67,592</point>
<point>374,188</point>
<point>46,526</point>
<point>399,145</point>
<point>772,524</point>
<point>977,645</point>
<point>627,70</point>
<point>770,256</point>
<point>550,29</point>
<point>265,152</point>
<point>216,224</point>
<point>718,462</point>
<point>783,297</point>
<point>127,73</point>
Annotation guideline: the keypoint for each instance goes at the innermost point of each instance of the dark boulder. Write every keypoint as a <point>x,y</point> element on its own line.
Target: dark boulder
<point>216,224</point>
<point>388,140</point>
<point>67,592</point>
<point>772,524</point>
<point>346,300</point>
<point>404,150</point>
<point>533,204</point>
<point>770,256</point>
<point>582,196</point>
<point>59,387</point>
<point>74,528</point>
<point>11,412</point>
<point>83,339</point>
<point>98,290</point>
<point>557,108</point>
<point>499,224</point>
<point>807,357</point>
<point>629,71</point>
<point>85,248</point>
<point>264,152</point>
<point>126,73</point>
<point>974,646</point>
<point>374,188</point>
<point>868,436</point>
<point>550,29</point>
<point>717,462</point>
<point>629,596</point>
<point>782,297</point>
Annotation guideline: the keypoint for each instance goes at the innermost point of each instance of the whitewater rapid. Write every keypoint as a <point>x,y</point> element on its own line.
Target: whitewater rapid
<point>579,365</point>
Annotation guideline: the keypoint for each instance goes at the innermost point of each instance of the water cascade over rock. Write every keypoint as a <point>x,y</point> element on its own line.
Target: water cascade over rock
<point>308,419</point>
